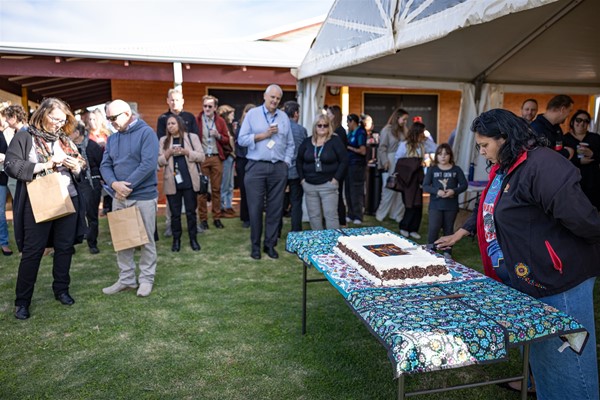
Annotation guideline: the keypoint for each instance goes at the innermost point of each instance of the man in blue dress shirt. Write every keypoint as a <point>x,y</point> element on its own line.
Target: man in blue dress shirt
<point>267,134</point>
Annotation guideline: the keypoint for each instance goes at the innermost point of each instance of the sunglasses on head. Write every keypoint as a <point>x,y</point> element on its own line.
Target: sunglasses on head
<point>582,120</point>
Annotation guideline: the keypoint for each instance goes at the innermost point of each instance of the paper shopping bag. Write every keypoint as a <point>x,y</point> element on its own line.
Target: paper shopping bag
<point>127,228</point>
<point>49,197</point>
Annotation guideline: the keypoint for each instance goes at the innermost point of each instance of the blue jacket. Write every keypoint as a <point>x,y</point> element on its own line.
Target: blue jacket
<point>299,133</point>
<point>132,156</point>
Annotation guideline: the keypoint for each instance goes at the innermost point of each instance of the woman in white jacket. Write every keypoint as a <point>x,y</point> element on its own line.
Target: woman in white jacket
<point>390,137</point>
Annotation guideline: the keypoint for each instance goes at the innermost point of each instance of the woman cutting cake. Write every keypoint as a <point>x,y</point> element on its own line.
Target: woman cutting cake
<point>539,234</point>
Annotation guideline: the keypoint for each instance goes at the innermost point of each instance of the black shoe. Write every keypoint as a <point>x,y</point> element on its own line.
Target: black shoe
<point>271,252</point>
<point>204,225</point>
<point>94,250</point>
<point>218,224</point>
<point>22,312</point>
<point>7,252</point>
<point>246,224</point>
<point>65,299</point>
<point>195,245</point>
<point>255,254</point>
<point>176,245</point>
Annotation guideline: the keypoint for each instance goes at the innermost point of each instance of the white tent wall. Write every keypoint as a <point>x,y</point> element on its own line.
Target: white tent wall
<point>483,48</point>
<point>311,97</point>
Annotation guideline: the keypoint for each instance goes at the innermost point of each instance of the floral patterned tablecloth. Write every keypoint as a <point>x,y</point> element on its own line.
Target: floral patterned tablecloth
<point>469,320</point>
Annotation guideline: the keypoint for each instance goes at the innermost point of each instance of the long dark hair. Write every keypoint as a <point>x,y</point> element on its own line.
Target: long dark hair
<point>180,127</point>
<point>516,132</point>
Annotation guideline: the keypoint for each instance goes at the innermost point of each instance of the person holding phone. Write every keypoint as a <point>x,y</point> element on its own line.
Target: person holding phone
<point>44,146</point>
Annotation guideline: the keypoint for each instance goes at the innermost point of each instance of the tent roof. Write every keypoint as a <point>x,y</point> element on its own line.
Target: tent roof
<point>512,42</point>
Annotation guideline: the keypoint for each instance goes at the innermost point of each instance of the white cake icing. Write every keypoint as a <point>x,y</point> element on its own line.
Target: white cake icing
<point>366,247</point>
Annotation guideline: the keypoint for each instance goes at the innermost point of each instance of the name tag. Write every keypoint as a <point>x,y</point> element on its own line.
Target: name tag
<point>271,144</point>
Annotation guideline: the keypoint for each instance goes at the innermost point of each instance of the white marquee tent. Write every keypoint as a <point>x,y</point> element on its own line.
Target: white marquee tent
<point>482,48</point>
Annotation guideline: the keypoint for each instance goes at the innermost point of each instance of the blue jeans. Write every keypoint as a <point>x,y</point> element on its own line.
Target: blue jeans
<point>227,183</point>
<point>567,375</point>
<point>3,223</point>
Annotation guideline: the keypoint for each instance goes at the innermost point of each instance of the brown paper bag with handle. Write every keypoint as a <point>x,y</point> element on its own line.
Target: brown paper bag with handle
<point>127,228</point>
<point>49,197</point>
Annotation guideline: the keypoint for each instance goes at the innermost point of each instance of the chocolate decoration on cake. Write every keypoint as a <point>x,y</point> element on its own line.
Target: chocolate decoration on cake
<point>377,255</point>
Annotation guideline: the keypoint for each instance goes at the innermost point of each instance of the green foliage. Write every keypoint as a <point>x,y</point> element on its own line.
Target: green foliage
<point>218,325</point>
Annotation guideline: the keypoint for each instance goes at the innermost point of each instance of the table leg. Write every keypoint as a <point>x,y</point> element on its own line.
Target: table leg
<point>401,394</point>
<point>304,282</point>
<point>525,371</point>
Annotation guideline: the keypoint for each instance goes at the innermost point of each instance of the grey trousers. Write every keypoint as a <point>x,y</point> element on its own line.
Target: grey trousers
<point>322,202</point>
<point>265,186</point>
<point>148,258</point>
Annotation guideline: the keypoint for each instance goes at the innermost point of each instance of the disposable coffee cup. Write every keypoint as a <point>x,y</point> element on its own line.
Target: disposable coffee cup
<point>580,147</point>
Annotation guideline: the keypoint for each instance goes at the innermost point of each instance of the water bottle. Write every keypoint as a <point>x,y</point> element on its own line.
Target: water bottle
<point>471,172</point>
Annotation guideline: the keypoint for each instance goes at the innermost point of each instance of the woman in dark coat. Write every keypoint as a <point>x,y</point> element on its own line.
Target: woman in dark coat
<point>45,145</point>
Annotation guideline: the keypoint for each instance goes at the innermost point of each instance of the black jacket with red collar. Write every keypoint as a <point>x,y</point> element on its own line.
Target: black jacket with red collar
<point>548,230</point>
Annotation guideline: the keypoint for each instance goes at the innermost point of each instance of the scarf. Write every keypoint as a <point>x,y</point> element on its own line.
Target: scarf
<point>45,140</point>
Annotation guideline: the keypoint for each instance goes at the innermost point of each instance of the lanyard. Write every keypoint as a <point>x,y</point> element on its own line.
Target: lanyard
<point>265,112</point>
<point>318,156</point>
<point>206,122</point>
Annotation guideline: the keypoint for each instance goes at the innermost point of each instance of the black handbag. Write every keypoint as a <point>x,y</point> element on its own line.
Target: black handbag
<point>392,183</point>
<point>203,184</point>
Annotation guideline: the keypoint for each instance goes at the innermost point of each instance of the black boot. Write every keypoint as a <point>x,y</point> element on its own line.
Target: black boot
<point>176,244</point>
<point>194,243</point>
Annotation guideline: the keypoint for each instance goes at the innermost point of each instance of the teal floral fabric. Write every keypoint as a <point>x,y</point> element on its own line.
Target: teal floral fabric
<point>424,329</point>
<point>469,320</point>
<point>347,279</point>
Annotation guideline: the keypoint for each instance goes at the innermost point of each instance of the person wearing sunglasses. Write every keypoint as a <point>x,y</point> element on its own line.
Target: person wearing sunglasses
<point>539,234</point>
<point>587,145</point>
<point>214,136</point>
<point>548,124</point>
<point>45,146</point>
<point>129,168</point>
<point>321,164</point>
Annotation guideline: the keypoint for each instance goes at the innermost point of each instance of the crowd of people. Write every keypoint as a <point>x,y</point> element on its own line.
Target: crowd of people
<point>537,218</point>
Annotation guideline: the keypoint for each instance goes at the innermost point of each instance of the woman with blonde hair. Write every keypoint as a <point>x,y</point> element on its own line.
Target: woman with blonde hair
<point>98,132</point>
<point>321,163</point>
<point>45,145</point>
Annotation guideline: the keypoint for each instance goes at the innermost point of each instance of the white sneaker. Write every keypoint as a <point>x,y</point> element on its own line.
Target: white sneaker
<point>117,287</point>
<point>348,219</point>
<point>404,233</point>
<point>357,222</point>
<point>144,290</point>
<point>415,235</point>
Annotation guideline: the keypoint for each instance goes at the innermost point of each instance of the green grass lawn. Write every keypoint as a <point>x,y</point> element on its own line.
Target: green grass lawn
<point>218,325</point>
